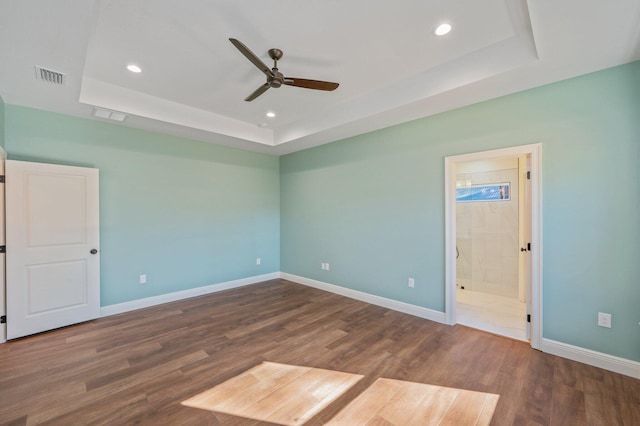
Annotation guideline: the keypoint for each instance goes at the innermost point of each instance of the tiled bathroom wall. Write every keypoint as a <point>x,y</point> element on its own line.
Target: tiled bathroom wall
<point>487,237</point>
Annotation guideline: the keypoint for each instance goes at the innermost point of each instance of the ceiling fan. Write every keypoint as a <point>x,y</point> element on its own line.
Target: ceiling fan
<point>275,78</point>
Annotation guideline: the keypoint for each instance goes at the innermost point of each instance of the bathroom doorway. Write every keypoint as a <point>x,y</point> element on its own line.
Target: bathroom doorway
<point>490,292</point>
<point>492,204</point>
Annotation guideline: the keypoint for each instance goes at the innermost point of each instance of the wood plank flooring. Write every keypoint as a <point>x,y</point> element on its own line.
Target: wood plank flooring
<point>278,393</point>
<point>400,403</point>
<point>137,367</point>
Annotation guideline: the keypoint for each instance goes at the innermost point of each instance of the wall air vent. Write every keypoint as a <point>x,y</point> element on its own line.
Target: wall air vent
<point>50,76</point>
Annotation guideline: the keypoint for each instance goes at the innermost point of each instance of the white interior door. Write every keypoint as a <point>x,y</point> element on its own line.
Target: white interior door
<point>52,235</point>
<point>3,312</point>
<point>525,242</point>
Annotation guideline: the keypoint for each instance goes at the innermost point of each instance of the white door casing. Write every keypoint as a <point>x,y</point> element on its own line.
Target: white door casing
<point>534,153</point>
<point>524,237</point>
<point>53,278</point>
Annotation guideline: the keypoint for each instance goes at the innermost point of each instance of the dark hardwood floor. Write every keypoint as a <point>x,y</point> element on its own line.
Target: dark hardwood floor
<point>137,367</point>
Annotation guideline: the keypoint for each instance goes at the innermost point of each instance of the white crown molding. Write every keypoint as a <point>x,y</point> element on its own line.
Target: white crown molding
<point>395,305</point>
<point>120,99</point>
<point>184,294</point>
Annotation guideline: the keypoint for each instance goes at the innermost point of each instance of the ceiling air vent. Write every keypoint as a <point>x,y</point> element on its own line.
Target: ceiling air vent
<point>50,76</point>
<point>108,115</point>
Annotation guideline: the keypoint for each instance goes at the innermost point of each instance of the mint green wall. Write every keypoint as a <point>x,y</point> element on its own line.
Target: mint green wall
<point>373,205</point>
<point>185,213</point>
<point>189,214</point>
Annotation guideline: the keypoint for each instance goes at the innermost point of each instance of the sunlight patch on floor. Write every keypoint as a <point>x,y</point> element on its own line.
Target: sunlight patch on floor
<point>396,402</point>
<point>277,393</point>
<point>291,395</point>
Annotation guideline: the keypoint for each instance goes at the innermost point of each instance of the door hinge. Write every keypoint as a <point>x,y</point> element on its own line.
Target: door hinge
<point>528,175</point>
<point>528,317</point>
<point>1,178</point>
<point>3,319</point>
<point>3,249</point>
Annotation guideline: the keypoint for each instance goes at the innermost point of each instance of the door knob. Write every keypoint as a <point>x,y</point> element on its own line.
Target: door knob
<point>93,251</point>
<point>523,249</point>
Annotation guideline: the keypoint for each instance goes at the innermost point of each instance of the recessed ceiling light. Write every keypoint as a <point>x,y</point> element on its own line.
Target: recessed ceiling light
<point>271,114</point>
<point>134,68</point>
<point>443,29</point>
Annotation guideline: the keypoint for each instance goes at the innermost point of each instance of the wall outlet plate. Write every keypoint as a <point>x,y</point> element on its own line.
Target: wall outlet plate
<point>604,320</point>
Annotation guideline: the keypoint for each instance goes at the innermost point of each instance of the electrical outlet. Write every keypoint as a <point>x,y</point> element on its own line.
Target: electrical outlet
<point>604,320</point>
<point>258,261</point>
<point>411,282</point>
<point>326,267</point>
<point>143,279</point>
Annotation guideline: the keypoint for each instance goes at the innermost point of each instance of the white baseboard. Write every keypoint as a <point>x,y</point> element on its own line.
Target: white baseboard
<point>589,357</point>
<point>395,305</point>
<point>184,294</point>
<point>564,350</point>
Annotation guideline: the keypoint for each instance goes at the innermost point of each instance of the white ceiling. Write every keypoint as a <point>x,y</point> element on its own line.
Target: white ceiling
<point>391,66</point>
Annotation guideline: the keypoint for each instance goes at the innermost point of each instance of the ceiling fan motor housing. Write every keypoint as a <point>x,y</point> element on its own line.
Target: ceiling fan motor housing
<point>276,81</point>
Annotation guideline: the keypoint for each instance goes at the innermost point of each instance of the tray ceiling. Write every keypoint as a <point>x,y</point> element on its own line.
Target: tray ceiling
<point>390,64</point>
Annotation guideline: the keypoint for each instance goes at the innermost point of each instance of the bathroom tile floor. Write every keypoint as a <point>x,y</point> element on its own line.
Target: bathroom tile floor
<point>495,314</point>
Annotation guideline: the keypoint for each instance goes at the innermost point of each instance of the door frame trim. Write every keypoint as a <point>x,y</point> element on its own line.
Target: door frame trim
<point>535,151</point>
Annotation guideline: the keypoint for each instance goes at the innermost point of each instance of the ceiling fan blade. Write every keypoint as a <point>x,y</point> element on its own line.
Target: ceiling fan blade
<point>259,91</point>
<point>311,84</point>
<point>252,57</point>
